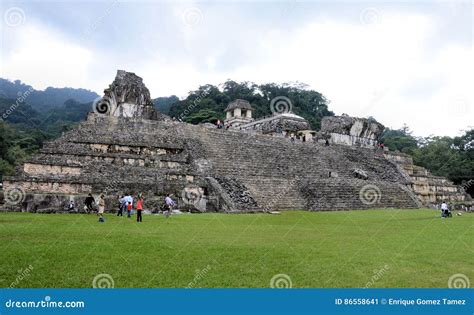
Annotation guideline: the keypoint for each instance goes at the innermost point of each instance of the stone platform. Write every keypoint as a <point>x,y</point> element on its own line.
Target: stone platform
<point>221,170</point>
<point>126,147</point>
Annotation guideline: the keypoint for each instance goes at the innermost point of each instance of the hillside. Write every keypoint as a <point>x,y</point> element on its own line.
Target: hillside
<point>50,98</point>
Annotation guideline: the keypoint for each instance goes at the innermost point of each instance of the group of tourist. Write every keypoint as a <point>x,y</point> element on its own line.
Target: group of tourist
<point>125,204</point>
<point>220,125</point>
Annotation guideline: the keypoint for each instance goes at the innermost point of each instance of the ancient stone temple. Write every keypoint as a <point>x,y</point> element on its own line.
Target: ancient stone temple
<point>126,147</point>
<point>238,112</point>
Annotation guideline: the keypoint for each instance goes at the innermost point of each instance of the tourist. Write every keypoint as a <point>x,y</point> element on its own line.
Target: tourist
<point>128,199</point>
<point>101,208</point>
<point>71,205</point>
<point>444,210</point>
<point>139,208</point>
<point>89,202</point>
<point>169,203</point>
<point>121,206</point>
<point>129,209</point>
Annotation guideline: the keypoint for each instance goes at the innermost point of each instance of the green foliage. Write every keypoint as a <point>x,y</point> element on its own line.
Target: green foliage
<point>203,116</point>
<point>44,115</point>
<point>443,156</point>
<point>309,104</point>
<point>43,100</point>
<point>24,129</point>
<point>15,146</point>
<point>399,140</point>
<point>163,104</point>
<point>449,157</point>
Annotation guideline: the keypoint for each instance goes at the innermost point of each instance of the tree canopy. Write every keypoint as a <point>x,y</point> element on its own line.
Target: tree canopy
<point>208,102</point>
<point>443,156</point>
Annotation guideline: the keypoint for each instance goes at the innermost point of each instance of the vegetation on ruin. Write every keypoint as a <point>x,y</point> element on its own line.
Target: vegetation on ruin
<point>44,115</point>
<point>409,248</point>
<point>443,156</point>
<point>209,102</point>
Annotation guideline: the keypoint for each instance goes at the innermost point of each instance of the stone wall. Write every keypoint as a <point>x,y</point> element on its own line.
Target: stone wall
<point>125,147</point>
<point>232,170</point>
<point>352,131</point>
<point>429,189</point>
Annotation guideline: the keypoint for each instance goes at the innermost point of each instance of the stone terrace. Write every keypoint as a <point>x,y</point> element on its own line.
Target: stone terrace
<point>237,171</point>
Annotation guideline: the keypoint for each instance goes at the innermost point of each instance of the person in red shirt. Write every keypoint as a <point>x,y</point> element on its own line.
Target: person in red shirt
<point>129,209</point>
<point>139,208</point>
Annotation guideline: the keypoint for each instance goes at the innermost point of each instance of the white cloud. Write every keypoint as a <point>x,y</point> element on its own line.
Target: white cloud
<point>42,57</point>
<point>365,70</point>
<point>394,68</point>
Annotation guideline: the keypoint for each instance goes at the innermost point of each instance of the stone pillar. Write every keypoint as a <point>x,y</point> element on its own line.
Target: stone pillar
<point>228,115</point>
<point>249,113</point>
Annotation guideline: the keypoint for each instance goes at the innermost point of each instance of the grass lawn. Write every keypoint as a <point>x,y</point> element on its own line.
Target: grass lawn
<point>381,248</point>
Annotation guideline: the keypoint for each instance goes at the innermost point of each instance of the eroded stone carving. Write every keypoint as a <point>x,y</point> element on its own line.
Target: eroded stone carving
<point>127,96</point>
<point>352,130</point>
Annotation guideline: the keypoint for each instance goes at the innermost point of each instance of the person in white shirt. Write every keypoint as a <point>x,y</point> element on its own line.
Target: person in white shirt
<point>169,204</point>
<point>444,209</point>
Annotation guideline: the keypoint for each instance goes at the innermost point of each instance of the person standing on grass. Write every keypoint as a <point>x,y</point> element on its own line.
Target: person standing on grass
<point>101,208</point>
<point>71,205</point>
<point>129,209</point>
<point>89,202</point>
<point>128,199</point>
<point>121,206</point>
<point>444,209</point>
<point>169,204</point>
<point>139,208</point>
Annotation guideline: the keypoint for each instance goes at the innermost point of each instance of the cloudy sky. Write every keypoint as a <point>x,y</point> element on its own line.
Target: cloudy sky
<point>401,62</point>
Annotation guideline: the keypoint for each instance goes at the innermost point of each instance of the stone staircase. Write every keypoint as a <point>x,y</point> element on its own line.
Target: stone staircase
<point>284,175</point>
<point>243,172</point>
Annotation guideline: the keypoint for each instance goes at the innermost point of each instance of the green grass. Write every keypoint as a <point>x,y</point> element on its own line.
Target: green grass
<point>409,248</point>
